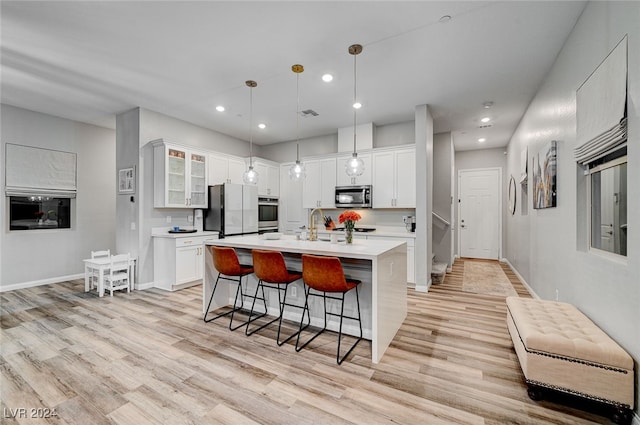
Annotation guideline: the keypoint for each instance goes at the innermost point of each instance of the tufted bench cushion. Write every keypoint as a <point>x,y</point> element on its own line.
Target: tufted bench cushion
<point>559,347</point>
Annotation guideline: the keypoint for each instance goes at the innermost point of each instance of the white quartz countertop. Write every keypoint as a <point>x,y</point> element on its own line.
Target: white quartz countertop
<point>164,233</point>
<point>360,248</point>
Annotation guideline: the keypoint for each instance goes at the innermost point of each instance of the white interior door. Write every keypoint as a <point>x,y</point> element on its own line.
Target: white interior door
<point>479,213</point>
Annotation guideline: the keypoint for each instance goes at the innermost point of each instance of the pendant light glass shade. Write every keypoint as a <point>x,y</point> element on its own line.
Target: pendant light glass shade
<point>297,171</point>
<point>354,166</point>
<point>250,176</point>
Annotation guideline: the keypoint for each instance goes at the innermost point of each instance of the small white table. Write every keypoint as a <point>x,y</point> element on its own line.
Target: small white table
<point>101,265</point>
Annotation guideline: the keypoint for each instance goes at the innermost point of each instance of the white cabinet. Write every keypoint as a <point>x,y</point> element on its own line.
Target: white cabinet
<point>178,262</point>
<point>394,179</point>
<point>411,254</point>
<point>225,169</point>
<point>291,214</point>
<point>268,178</point>
<point>342,179</point>
<point>318,188</point>
<point>180,176</point>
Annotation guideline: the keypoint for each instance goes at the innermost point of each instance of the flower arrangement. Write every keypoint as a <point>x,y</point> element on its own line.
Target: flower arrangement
<point>349,219</point>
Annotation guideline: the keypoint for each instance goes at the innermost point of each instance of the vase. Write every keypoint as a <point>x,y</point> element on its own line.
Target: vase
<point>348,234</point>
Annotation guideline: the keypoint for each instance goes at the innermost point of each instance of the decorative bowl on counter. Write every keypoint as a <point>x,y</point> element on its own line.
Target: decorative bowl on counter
<point>272,236</point>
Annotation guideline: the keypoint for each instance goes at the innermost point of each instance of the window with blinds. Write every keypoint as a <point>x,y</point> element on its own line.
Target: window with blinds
<point>601,109</point>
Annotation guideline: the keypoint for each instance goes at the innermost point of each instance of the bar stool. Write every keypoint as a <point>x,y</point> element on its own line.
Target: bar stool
<point>272,273</point>
<point>326,275</point>
<point>225,261</point>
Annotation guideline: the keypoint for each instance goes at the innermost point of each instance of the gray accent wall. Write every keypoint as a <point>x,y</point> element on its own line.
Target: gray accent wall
<point>544,245</point>
<point>35,257</point>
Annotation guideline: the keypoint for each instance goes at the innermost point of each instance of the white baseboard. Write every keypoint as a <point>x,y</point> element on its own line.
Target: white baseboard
<point>142,286</point>
<point>31,284</point>
<point>524,282</point>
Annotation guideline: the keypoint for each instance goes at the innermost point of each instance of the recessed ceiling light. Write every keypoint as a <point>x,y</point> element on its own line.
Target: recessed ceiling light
<point>357,105</point>
<point>482,140</point>
<point>485,119</point>
<point>444,18</point>
<point>487,104</point>
<point>262,126</point>
<point>220,108</point>
<point>327,78</point>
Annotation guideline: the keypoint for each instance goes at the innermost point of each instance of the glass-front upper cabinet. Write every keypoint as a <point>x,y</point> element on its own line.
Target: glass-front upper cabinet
<point>180,176</point>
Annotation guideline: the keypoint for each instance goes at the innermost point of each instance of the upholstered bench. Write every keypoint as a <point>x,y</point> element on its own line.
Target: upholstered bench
<point>559,348</point>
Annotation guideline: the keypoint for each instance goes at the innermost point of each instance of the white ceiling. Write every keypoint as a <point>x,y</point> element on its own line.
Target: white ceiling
<point>87,61</point>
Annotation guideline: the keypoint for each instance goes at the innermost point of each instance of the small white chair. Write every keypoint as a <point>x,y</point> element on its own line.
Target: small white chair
<point>118,276</point>
<point>93,278</point>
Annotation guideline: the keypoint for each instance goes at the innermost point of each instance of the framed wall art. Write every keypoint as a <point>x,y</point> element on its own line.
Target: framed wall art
<point>127,180</point>
<point>544,176</point>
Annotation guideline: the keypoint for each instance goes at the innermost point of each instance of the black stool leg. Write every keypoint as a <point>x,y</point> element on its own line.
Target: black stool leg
<point>283,303</point>
<point>253,319</point>
<point>338,359</point>
<point>206,313</point>
<point>306,308</point>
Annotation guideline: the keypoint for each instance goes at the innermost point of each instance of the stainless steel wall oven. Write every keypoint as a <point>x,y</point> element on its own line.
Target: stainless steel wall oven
<point>267,215</point>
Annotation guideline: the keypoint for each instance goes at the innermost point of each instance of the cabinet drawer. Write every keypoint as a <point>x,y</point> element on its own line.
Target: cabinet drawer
<point>180,242</point>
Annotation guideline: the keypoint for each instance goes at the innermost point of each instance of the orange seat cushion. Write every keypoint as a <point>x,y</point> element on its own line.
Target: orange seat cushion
<point>270,267</point>
<point>225,260</point>
<point>325,274</point>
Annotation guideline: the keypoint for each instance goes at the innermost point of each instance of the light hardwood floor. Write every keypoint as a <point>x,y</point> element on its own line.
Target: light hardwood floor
<point>148,358</point>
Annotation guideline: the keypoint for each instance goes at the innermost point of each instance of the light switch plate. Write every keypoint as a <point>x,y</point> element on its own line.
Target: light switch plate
<point>168,219</point>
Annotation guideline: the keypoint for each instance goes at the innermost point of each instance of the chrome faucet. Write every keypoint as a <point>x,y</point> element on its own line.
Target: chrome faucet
<point>313,232</point>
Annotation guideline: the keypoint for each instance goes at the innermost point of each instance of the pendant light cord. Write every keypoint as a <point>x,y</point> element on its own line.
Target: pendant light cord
<point>297,117</point>
<point>250,126</point>
<point>355,99</point>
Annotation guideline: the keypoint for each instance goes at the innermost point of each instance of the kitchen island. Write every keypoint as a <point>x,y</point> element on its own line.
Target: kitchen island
<point>381,265</point>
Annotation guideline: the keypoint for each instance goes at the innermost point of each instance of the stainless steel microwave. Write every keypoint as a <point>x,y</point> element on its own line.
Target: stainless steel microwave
<point>353,196</point>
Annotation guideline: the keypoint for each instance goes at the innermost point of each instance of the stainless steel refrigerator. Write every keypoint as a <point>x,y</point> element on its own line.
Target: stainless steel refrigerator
<point>233,209</point>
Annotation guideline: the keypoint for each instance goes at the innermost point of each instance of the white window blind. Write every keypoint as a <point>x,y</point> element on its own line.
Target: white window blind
<point>38,171</point>
<point>601,107</point>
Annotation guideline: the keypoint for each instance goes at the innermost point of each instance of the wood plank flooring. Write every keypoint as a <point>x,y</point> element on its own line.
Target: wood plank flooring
<point>148,358</point>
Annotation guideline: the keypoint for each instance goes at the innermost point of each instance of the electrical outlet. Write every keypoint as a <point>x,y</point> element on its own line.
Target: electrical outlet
<point>294,291</point>
<point>133,225</point>
<point>557,295</point>
<point>189,219</point>
<point>168,219</point>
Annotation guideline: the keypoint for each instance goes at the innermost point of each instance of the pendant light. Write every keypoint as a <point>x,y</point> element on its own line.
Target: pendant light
<point>250,176</point>
<point>297,171</point>
<point>354,165</point>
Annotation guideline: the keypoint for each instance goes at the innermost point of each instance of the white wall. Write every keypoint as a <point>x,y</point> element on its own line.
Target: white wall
<point>424,196</point>
<point>443,168</point>
<point>543,244</point>
<point>384,136</point>
<point>29,258</point>
<point>143,126</point>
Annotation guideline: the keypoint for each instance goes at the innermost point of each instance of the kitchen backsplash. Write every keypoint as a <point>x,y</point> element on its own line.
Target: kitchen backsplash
<point>375,217</point>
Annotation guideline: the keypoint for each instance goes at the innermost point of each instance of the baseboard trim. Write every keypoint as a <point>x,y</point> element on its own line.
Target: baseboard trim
<point>524,282</point>
<point>636,419</point>
<point>41,282</point>
<point>143,286</point>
